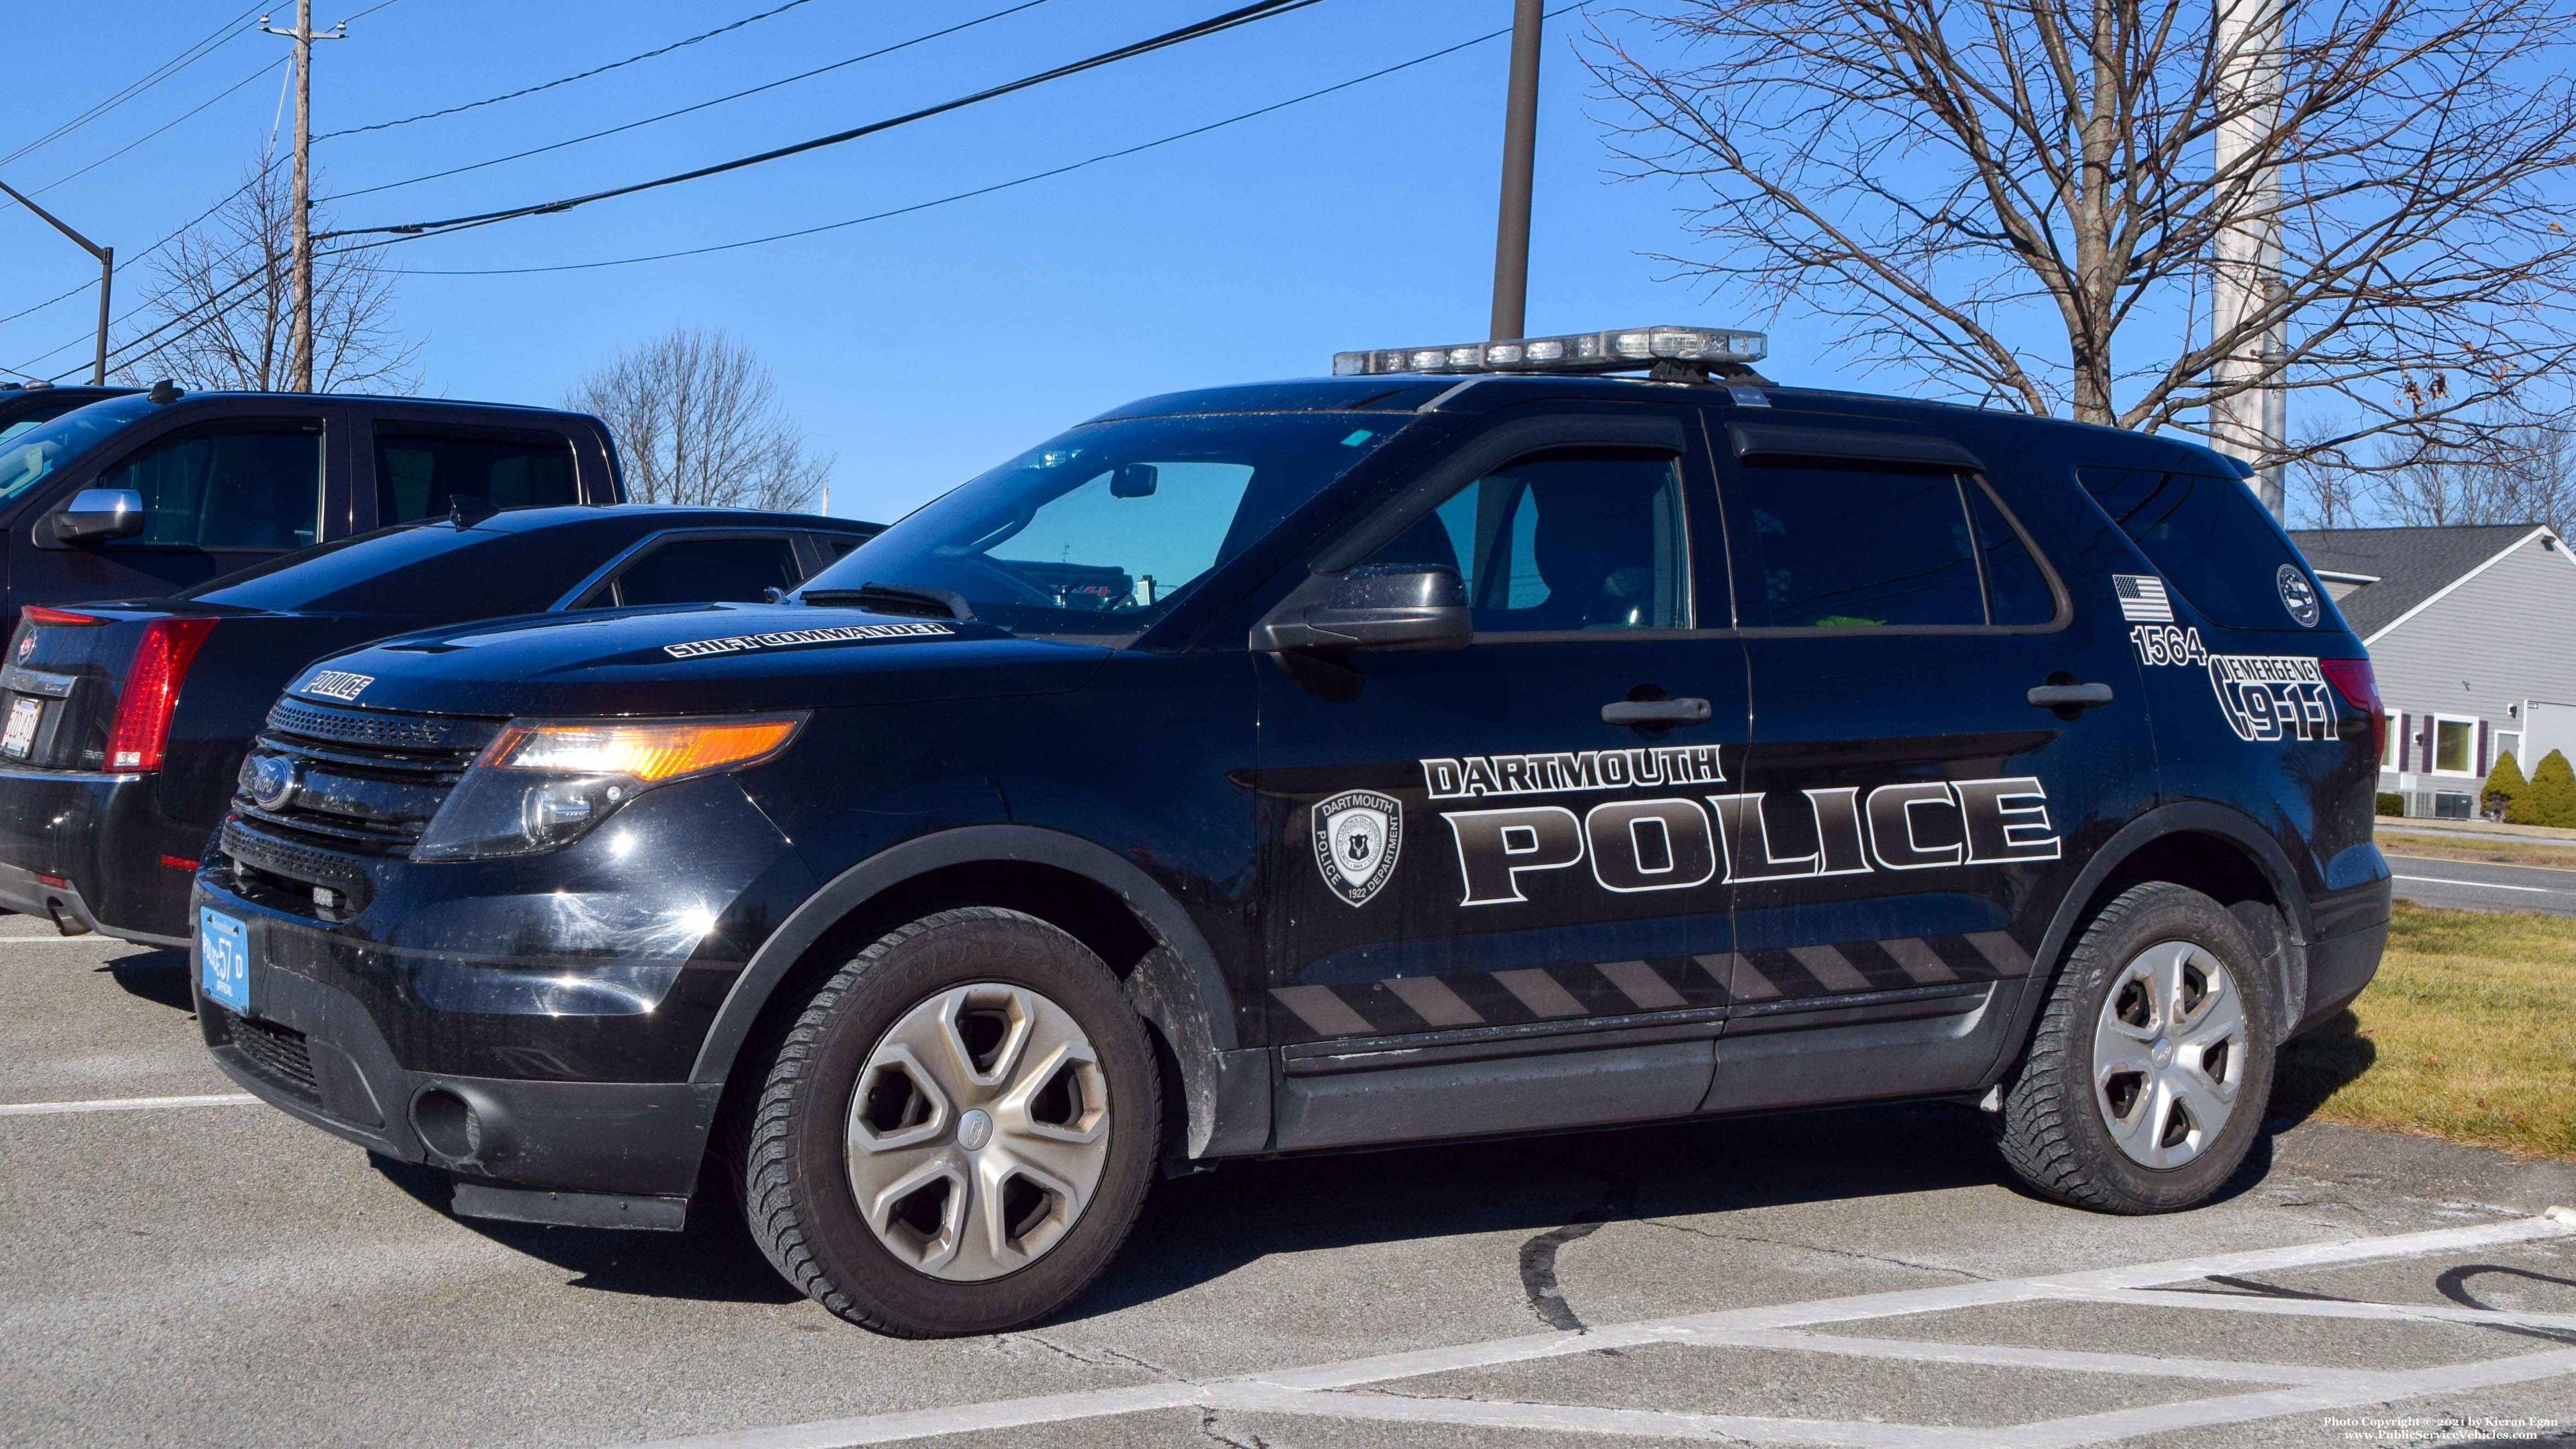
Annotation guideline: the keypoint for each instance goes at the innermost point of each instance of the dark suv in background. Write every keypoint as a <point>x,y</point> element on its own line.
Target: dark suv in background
<point>1364,760</point>
<point>24,405</point>
<point>123,725</point>
<point>142,494</point>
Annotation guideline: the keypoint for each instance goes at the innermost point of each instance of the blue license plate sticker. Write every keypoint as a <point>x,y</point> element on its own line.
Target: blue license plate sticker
<point>223,959</point>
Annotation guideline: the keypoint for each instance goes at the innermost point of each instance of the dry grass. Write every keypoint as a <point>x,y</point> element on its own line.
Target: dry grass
<point>2467,1033</point>
<point>2430,847</point>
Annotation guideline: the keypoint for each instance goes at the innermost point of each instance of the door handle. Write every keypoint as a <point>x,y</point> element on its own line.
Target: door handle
<point>1655,712</point>
<point>2069,698</point>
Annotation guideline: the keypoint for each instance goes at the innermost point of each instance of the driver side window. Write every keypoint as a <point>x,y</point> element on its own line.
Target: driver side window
<point>1576,540</point>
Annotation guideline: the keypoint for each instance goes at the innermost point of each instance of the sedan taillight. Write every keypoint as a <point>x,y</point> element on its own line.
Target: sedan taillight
<point>142,729</point>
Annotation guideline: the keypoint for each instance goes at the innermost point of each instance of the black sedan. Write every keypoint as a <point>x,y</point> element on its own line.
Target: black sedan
<point>123,726</point>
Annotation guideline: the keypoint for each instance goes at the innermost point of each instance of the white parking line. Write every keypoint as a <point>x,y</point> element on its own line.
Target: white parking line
<point>123,1104</point>
<point>2484,885</point>
<point>1327,1389</point>
<point>63,941</point>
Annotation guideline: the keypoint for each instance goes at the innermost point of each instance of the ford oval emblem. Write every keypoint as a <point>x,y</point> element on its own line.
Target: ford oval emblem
<point>269,781</point>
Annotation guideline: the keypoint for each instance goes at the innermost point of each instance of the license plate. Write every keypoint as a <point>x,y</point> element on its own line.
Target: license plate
<point>223,959</point>
<point>24,713</point>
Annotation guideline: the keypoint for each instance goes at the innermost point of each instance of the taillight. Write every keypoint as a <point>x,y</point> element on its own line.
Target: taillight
<point>142,728</point>
<point>39,614</point>
<point>2352,678</point>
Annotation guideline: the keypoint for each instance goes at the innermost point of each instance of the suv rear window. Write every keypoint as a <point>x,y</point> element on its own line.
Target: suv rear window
<point>2211,540</point>
<point>421,477</point>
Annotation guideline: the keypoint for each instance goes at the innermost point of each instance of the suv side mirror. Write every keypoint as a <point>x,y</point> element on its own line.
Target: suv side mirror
<point>96,515</point>
<point>1394,607</point>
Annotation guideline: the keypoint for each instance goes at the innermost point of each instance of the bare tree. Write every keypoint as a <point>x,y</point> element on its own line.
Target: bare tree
<point>225,306</point>
<point>697,420</point>
<point>2016,200</point>
<point>2515,469</point>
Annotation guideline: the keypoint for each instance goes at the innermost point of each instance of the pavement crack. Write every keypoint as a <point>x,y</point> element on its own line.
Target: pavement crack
<point>1538,1255</point>
<point>1916,1264</point>
<point>1208,1427</point>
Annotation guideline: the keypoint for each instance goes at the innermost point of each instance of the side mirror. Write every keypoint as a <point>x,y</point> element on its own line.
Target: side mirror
<point>96,515</point>
<point>1392,607</point>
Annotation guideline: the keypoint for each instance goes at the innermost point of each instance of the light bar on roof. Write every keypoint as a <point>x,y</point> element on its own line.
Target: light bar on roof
<point>1624,349</point>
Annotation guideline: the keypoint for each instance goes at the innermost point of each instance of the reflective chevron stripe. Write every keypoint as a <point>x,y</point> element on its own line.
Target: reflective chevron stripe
<point>1406,1004</point>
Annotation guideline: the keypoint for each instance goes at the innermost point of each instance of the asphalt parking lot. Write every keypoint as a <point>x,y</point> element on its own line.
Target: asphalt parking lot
<point>206,1272</point>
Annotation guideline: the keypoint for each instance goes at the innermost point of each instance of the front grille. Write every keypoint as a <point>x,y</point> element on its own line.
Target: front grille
<point>274,1051</point>
<point>366,783</point>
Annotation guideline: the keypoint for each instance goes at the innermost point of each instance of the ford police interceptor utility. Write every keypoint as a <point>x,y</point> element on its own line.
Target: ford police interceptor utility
<point>1465,743</point>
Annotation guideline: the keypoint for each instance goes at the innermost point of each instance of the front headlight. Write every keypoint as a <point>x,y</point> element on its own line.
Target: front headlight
<point>546,783</point>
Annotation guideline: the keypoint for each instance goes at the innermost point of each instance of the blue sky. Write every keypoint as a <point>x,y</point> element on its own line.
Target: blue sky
<point>921,348</point>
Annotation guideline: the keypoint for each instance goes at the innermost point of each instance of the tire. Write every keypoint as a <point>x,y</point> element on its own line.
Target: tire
<point>957,1132</point>
<point>2163,1019</point>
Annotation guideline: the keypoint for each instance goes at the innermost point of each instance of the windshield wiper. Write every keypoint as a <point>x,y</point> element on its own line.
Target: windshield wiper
<point>907,599</point>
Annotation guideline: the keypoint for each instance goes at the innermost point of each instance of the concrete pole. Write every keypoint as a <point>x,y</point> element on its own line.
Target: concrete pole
<point>1520,147</point>
<point>2246,275</point>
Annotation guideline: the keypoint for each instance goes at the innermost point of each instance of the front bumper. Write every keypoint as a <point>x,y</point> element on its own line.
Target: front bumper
<point>314,1051</point>
<point>103,837</point>
<point>526,1025</point>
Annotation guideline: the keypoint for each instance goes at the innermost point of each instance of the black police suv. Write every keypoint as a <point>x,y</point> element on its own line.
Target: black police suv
<point>142,494</point>
<point>1323,764</point>
<point>123,726</point>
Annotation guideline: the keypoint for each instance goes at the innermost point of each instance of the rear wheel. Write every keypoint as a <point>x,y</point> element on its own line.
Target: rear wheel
<point>2146,1081</point>
<point>957,1133</point>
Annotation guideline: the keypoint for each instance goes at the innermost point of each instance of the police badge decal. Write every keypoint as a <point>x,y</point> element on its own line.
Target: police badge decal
<point>1358,835</point>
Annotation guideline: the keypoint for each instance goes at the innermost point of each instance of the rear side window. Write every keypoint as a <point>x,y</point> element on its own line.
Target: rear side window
<point>2016,591</point>
<point>1834,545</point>
<point>703,570</point>
<point>422,475</point>
<point>226,488</point>
<point>2214,544</point>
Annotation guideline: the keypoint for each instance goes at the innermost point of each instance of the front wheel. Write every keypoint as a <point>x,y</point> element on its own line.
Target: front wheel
<point>2146,1080</point>
<point>957,1133</point>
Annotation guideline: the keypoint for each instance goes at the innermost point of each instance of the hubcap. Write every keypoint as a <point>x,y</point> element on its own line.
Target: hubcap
<point>2169,1054</point>
<point>978,1132</point>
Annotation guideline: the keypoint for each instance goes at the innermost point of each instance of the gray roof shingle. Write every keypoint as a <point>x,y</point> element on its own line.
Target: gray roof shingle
<point>2411,564</point>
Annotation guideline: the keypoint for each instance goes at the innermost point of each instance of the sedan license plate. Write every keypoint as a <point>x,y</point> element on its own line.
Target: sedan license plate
<point>223,959</point>
<point>24,714</point>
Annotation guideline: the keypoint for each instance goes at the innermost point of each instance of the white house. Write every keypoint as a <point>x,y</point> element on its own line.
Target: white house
<point>2472,635</point>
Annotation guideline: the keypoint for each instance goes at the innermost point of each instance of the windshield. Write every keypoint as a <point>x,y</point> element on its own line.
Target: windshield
<point>45,448</point>
<point>1099,531</point>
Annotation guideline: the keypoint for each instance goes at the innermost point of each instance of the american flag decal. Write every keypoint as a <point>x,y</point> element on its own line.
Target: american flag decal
<point>2142,598</point>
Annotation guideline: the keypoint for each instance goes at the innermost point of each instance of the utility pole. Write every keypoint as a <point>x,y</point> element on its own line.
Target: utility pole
<point>1520,146</point>
<point>106,275</point>
<point>299,337</point>
<point>2250,424</point>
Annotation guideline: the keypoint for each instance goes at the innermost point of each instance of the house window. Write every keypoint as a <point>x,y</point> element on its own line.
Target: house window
<point>2509,742</point>
<point>2392,752</point>
<point>2455,746</point>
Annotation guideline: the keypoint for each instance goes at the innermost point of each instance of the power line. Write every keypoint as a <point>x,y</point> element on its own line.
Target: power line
<point>997,186</point>
<point>1261,10</point>
<point>215,40</point>
<point>565,81</point>
<point>191,115</point>
<point>685,110</point>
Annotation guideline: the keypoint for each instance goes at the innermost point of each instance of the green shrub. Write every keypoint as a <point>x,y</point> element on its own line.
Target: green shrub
<point>2505,784</point>
<point>2551,800</point>
<point>2391,803</point>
